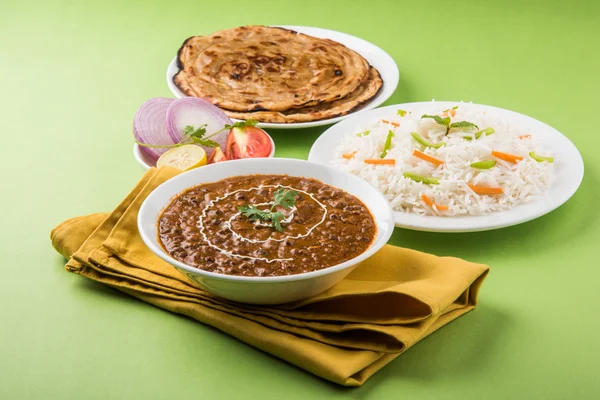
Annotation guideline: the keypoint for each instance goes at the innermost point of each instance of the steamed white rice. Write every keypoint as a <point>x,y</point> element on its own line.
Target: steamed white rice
<point>521,182</point>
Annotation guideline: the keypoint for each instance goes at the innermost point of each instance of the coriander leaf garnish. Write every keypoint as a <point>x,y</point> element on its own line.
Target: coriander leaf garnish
<point>276,218</point>
<point>254,213</point>
<point>401,113</point>
<point>463,124</point>
<point>241,124</point>
<point>285,198</point>
<point>192,132</point>
<point>206,143</point>
<point>188,130</point>
<point>282,197</point>
<point>442,121</point>
<point>196,135</point>
<point>446,122</point>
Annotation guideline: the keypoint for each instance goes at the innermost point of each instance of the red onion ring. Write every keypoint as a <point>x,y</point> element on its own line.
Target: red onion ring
<point>150,126</point>
<point>195,112</point>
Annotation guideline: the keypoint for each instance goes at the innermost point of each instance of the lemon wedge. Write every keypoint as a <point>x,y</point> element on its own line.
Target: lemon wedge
<point>183,158</point>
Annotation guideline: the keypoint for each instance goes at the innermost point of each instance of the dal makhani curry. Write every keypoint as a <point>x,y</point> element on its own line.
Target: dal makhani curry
<point>265,225</point>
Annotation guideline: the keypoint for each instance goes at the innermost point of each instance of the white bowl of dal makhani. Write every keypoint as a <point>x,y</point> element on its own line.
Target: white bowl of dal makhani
<point>265,231</point>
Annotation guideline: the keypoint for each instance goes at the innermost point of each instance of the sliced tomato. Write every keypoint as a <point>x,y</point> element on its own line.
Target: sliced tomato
<point>247,142</point>
<point>216,156</point>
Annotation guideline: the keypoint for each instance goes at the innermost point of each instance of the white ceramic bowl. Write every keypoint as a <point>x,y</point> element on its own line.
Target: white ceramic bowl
<point>145,162</point>
<point>265,290</point>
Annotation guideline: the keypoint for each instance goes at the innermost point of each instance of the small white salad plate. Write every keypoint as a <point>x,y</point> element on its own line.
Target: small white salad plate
<point>147,163</point>
<point>568,168</point>
<point>378,58</point>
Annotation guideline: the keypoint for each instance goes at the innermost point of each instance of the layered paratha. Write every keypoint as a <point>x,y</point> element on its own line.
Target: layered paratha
<point>366,91</point>
<point>256,68</point>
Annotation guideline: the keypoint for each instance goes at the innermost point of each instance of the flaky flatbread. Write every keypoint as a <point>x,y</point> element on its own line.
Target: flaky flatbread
<point>365,92</point>
<point>258,68</point>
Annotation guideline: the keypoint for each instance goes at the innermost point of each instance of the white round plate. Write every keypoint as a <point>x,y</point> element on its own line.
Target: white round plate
<point>568,169</point>
<point>378,58</point>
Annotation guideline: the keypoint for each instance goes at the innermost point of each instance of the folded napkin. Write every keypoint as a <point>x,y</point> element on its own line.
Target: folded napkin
<point>387,304</point>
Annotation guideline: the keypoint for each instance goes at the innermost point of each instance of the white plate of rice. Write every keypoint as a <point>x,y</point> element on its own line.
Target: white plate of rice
<point>493,168</point>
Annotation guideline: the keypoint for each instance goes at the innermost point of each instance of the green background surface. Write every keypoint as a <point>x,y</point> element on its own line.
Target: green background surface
<point>73,74</point>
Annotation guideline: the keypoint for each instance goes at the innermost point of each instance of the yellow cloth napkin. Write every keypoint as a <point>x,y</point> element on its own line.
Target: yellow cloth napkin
<point>387,304</point>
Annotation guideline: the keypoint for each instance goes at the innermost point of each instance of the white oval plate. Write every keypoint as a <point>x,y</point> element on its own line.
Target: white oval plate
<point>568,170</point>
<point>374,55</point>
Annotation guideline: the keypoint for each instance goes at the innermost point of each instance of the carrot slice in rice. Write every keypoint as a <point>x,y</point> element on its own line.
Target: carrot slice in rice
<point>430,203</point>
<point>525,137</point>
<point>394,124</point>
<point>349,156</point>
<point>486,189</point>
<point>507,157</point>
<point>379,161</point>
<point>427,157</point>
